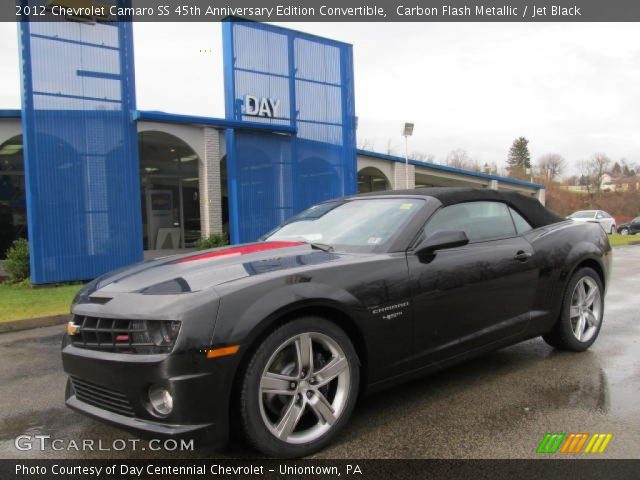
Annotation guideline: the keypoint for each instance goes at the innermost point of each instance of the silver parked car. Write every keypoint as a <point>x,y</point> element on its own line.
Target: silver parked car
<point>606,221</point>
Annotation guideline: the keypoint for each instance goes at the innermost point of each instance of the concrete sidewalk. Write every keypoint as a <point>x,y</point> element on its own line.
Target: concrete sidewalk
<point>29,323</point>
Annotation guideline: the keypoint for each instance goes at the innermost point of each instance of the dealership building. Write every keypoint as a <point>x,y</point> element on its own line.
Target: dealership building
<point>96,184</point>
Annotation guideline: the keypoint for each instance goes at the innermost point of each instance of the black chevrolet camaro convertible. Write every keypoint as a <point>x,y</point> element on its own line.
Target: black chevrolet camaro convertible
<point>278,338</point>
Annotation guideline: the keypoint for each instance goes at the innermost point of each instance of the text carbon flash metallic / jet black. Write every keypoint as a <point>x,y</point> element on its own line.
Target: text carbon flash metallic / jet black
<point>171,346</point>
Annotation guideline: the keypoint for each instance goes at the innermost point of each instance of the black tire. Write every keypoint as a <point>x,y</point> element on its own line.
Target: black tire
<point>562,335</point>
<point>612,230</point>
<point>253,426</point>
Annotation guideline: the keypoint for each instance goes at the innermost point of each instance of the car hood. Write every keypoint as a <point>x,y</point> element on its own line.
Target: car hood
<point>197,271</point>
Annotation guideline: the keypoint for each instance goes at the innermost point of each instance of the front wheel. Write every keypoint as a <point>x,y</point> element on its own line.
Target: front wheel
<point>624,231</point>
<point>582,312</point>
<point>613,230</point>
<point>299,388</point>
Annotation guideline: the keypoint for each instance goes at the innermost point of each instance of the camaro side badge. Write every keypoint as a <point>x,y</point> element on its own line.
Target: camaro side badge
<point>390,312</point>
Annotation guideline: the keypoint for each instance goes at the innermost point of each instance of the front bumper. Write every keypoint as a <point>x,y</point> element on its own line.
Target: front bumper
<point>136,424</point>
<point>113,388</point>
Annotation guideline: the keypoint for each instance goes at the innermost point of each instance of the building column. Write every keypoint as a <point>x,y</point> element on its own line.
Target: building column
<point>399,176</point>
<point>209,181</point>
<point>493,185</point>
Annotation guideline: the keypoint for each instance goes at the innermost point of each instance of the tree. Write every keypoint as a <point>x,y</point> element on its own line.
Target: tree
<point>551,166</point>
<point>593,171</point>
<point>366,144</point>
<point>459,158</point>
<point>616,170</point>
<point>390,149</point>
<point>519,159</point>
<point>628,169</point>
<point>422,157</point>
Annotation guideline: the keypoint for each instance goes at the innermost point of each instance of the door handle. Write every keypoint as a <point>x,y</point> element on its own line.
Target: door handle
<point>522,256</point>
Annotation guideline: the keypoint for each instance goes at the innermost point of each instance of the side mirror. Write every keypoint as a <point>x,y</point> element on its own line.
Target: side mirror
<point>441,240</point>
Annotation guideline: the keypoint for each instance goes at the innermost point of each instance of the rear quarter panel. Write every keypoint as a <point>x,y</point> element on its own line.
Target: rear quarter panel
<point>560,249</point>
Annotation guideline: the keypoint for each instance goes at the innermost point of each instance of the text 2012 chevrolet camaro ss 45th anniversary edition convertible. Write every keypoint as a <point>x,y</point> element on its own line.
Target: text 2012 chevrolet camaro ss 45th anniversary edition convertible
<point>282,335</point>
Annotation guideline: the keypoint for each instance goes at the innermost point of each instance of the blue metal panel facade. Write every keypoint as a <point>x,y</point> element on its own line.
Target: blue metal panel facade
<point>80,148</point>
<point>273,176</point>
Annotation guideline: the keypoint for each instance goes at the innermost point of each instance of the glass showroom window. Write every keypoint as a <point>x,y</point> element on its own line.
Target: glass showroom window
<point>13,204</point>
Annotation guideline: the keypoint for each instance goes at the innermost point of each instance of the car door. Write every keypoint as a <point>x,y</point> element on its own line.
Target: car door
<point>635,225</point>
<point>470,296</point>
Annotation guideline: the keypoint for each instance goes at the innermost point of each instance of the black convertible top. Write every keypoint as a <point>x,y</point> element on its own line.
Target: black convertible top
<point>529,207</point>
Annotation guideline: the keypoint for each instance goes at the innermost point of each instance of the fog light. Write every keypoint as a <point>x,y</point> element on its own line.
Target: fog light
<point>161,400</point>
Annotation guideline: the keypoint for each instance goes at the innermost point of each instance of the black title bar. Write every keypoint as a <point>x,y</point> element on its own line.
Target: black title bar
<point>122,469</point>
<point>324,10</point>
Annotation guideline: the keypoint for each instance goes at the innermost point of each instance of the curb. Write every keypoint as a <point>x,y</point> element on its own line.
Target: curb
<point>17,325</point>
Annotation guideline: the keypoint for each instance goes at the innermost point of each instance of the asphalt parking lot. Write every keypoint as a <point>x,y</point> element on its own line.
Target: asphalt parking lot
<point>496,406</point>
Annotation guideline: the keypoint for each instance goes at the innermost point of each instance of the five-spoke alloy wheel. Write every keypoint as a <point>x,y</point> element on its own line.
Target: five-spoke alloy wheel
<point>586,309</point>
<point>304,388</point>
<point>582,311</point>
<point>299,388</point>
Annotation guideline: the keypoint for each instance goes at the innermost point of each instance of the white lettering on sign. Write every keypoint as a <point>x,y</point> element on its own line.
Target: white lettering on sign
<point>261,107</point>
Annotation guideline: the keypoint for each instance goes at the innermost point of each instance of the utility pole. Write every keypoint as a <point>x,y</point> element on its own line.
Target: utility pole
<point>406,133</point>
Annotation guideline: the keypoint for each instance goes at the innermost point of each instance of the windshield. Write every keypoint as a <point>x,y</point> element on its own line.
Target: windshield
<point>584,214</point>
<point>354,225</point>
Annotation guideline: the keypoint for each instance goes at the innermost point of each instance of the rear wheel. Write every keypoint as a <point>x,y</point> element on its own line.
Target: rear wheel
<point>299,388</point>
<point>582,313</point>
<point>612,230</point>
<point>624,231</point>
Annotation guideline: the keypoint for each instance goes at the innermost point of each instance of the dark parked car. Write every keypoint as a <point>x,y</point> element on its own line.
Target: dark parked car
<point>630,228</point>
<point>354,294</point>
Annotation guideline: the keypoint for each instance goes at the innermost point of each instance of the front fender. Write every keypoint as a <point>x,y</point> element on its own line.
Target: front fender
<point>240,320</point>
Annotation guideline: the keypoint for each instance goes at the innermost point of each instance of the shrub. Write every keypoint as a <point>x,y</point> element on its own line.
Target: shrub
<point>212,241</point>
<point>17,262</point>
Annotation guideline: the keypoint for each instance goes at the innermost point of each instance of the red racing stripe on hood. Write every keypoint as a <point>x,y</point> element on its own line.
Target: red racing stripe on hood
<point>257,247</point>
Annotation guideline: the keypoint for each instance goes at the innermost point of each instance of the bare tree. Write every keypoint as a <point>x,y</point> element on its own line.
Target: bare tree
<point>391,149</point>
<point>366,144</point>
<point>593,170</point>
<point>422,157</point>
<point>459,158</point>
<point>551,166</point>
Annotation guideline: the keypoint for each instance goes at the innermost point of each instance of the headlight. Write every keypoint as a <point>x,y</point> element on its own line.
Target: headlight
<point>161,400</point>
<point>150,334</point>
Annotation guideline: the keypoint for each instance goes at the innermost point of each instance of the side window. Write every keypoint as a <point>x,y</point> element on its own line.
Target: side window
<point>521,224</point>
<point>481,221</point>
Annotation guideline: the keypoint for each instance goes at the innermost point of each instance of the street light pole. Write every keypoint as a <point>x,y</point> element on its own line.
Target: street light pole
<point>406,133</point>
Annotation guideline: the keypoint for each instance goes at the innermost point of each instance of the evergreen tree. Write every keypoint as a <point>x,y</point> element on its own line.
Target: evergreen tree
<point>519,159</point>
<point>616,170</point>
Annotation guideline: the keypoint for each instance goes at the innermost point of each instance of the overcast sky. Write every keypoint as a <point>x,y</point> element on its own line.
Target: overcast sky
<point>573,89</point>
